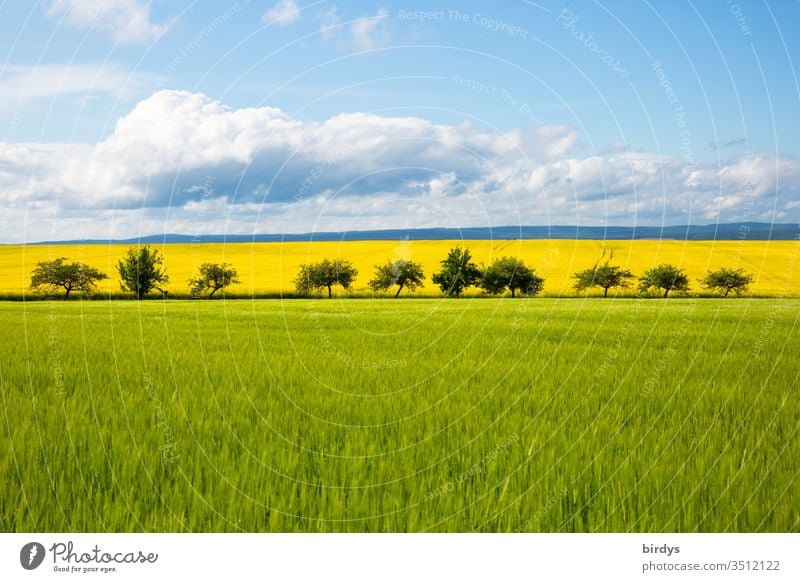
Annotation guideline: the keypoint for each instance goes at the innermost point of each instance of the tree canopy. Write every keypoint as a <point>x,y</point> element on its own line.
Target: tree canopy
<point>726,280</point>
<point>141,270</point>
<point>405,274</point>
<point>511,273</point>
<point>325,274</point>
<point>458,272</point>
<point>213,277</point>
<point>664,277</point>
<point>58,274</point>
<point>605,276</point>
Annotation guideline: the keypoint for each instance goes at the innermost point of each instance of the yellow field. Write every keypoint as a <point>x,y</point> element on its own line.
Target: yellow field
<point>271,267</point>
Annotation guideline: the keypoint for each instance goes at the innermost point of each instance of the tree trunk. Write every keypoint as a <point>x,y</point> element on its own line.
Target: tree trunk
<point>66,296</point>
<point>726,292</point>
<point>666,293</point>
<point>605,291</point>
<point>214,291</point>
<point>330,292</point>
<point>400,288</point>
<point>512,293</point>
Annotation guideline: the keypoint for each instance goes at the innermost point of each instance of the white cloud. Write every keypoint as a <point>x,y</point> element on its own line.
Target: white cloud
<point>328,23</point>
<point>20,83</point>
<point>362,34</point>
<point>283,13</point>
<point>182,162</point>
<point>126,21</point>
<point>371,31</point>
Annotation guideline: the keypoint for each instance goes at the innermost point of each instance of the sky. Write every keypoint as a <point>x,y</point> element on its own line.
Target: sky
<point>121,118</point>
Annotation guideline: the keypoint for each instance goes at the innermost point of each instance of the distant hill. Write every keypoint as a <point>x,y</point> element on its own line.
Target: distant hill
<point>728,231</point>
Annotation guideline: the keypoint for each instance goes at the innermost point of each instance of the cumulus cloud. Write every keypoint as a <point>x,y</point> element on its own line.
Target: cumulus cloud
<point>329,21</point>
<point>283,13</point>
<point>370,31</point>
<point>172,141</point>
<point>363,34</point>
<point>182,162</point>
<point>126,21</point>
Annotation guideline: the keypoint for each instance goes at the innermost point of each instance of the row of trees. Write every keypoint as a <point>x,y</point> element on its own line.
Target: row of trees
<point>664,278</point>
<point>458,272</point>
<point>142,271</point>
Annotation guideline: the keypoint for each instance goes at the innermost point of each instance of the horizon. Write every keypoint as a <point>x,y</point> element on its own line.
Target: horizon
<point>741,231</point>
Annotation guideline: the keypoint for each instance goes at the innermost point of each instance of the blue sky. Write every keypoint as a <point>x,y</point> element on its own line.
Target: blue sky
<point>126,117</point>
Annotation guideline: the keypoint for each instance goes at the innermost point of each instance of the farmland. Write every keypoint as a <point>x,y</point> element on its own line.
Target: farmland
<point>376,415</point>
<point>270,268</point>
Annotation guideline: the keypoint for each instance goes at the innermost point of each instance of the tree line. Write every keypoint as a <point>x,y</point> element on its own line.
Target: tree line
<point>141,271</point>
<point>509,274</point>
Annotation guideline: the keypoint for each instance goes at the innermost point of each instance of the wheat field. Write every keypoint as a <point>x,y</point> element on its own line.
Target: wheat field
<point>269,268</point>
<point>436,415</point>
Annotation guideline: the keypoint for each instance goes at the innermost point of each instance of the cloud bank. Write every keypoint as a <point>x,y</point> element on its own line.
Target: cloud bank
<point>182,162</point>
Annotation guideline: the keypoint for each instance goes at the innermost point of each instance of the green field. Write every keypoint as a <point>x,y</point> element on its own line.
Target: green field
<point>411,415</point>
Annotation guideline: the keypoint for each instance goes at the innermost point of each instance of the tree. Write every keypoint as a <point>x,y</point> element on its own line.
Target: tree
<point>666,277</point>
<point>213,277</point>
<point>326,273</point>
<point>56,274</point>
<point>605,276</point>
<point>141,270</point>
<point>403,273</point>
<point>727,280</point>
<point>458,272</point>
<point>511,273</point>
